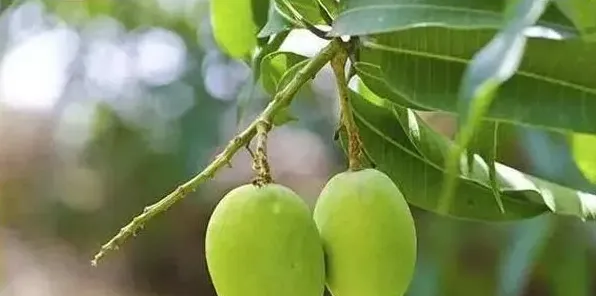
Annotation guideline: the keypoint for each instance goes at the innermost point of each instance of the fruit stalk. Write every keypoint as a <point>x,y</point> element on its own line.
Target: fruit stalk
<point>261,164</point>
<point>281,99</point>
<point>338,63</point>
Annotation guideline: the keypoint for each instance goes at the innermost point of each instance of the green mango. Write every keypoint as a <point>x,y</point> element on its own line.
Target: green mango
<point>368,234</point>
<point>262,241</point>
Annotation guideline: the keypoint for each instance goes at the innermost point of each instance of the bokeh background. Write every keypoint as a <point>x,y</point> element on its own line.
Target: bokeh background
<point>107,105</point>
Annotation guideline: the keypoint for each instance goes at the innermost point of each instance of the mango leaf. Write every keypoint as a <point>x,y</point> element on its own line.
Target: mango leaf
<point>276,23</point>
<point>584,154</point>
<point>412,154</point>
<point>260,12</point>
<point>425,66</point>
<point>362,17</point>
<point>234,27</point>
<point>275,65</point>
<point>307,9</point>
<point>331,7</point>
<point>484,143</point>
<point>372,77</point>
<point>583,14</point>
<point>494,64</point>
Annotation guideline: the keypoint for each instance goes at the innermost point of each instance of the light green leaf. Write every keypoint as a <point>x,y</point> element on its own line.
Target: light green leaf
<point>234,28</point>
<point>426,65</point>
<point>361,17</point>
<point>413,155</point>
<point>584,153</point>
<point>583,14</point>
<point>275,65</point>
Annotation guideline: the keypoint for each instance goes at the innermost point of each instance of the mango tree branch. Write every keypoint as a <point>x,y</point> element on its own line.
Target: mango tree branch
<point>280,100</point>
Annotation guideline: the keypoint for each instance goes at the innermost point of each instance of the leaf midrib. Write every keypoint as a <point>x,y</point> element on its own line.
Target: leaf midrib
<point>499,14</point>
<point>419,6</point>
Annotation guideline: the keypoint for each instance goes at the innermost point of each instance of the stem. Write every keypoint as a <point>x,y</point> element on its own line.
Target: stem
<point>261,165</point>
<point>338,63</point>
<point>281,99</point>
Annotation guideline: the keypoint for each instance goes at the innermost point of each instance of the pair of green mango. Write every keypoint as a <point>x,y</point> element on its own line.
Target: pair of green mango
<point>263,241</point>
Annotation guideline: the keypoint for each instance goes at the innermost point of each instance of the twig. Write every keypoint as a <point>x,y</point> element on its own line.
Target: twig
<point>338,63</point>
<point>281,99</point>
<point>261,163</point>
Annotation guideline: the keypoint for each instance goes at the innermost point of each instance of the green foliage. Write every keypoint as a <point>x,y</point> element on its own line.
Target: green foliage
<point>476,60</point>
<point>413,155</point>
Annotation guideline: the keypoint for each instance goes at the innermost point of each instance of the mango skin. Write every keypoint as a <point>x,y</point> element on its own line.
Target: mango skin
<point>368,235</point>
<point>264,242</point>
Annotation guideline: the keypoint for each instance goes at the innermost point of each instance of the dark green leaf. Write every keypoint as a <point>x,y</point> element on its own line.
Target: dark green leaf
<point>494,64</point>
<point>260,10</point>
<point>361,17</point>
<point>583,14</point>
<point>426,66</point>
<point>416,168</point>
<point>275,65</point>
<point>372,77</point>
<point>413,155</point>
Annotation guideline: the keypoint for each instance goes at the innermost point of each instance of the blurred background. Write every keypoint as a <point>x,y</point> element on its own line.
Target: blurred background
<point>107,105</point>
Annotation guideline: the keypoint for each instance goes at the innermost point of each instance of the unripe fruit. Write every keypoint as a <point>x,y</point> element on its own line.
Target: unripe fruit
<point>368,235</point>
<point>262,241</point>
